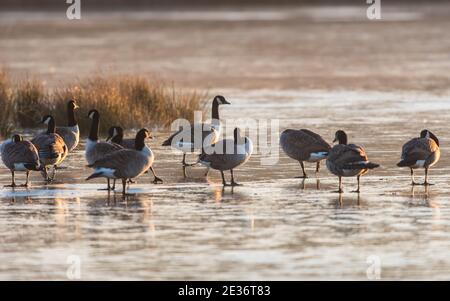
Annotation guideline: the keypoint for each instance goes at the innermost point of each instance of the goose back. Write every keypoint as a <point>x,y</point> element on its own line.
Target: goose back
<point>20,155</point>
<point>420,152</point>
<point>304,145</point>
<point>343,160</point>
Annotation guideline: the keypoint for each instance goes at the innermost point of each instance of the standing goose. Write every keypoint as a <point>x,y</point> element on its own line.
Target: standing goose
<point>20,155</point>
<point>223,158</point>
<point>348,160</point>
<point>421,152</point>
<point>51,147</point>
<point>125,163</point>
<point>304,145</point>
<point>71,132</point>
<point>94,149</point>
<point>184,139</point>
<point>115,135</point>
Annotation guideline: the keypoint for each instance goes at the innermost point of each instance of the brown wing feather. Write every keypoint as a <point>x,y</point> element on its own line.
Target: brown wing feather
<point>19,152</point>
<point>300,144</point>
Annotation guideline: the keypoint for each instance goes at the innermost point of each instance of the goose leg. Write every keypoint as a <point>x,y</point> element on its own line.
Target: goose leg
<point>184,165</point>
<point>13,181</point>
<point>340,185</point>
<point>317,166</point>
<point>233,183</point>
<point>157,179</point>
<point>114,185</point>
<point>412,178</point>
<point>224,183</point>
<point>108,186</point>
<point>303,169</point>
<point>124,186</point>
<point>357,190</point>
<point>27,181</point>
<point>426,183</point>
<point>207,172</point>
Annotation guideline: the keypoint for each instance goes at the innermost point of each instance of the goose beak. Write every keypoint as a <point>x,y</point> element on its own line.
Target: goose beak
<point>335,140</point>
<point>108,139</point>
<point>226,102</point>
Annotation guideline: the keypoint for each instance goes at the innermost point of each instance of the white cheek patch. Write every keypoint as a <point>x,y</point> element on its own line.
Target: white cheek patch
<point>91,115</point>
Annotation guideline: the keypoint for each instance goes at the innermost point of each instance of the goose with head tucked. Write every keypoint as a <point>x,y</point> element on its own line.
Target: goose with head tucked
<point>125,163</point>
<point>20,155</point>
<point>51,147</point>
<point>71,132</point>
<point>348,160</point>
<point>421,152</point>
<point>304,146</point>
<point>96,149</point>
<point>227,154</point>
<point>115,135</point>
<point>208,133</point>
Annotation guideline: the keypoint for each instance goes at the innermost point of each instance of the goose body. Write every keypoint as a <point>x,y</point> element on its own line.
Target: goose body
<point>227,154</point>
<point>304,146</point>
<point>125,163</point>
<point>421,152</point>
<point>20,155</point>
<point>115,135</point>
<point>51,147</point>
<point>198,135</point>
<point>348,160</point>
<point>71,132</point>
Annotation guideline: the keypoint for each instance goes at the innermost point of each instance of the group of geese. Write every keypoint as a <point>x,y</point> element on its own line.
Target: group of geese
<point>126,159</point>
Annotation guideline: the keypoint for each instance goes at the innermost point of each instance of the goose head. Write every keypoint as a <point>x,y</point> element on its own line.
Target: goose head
<point>340,137</point>
<point>72,105</point>
<point>139,142</point>
<point>427,134</point>
<point>93,114</point>
<point>47,119</point>
<point>220,100</point>
<point>16,138</point>
<point>115,133</point>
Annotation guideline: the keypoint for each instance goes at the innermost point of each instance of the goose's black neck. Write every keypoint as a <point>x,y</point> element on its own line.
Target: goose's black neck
<point>215,110</point>
<point>117,138</point>
<point>51,127</point>
<point>93,133</point>
<point>71,119</point>
<point>139,142</point>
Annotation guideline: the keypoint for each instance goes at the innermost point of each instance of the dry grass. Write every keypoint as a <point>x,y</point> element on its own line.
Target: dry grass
<point>128,101</point>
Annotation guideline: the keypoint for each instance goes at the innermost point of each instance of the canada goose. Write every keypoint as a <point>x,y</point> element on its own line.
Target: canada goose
<point>219,156</point>
<point>304,145</point>
<point>94,149</point>
<point>348,160</point>
<point>184,139</point>
<point>115,135</point>
<point>20,155</point>
<point>71,132</point>
<point>421,152</point>
<point>51,147</point>
<point>125,163</point>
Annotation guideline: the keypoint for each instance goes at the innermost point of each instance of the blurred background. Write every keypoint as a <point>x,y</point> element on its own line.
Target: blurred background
<point>232,44</point>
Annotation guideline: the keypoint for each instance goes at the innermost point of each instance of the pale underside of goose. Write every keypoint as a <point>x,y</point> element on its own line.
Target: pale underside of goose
<point>70,135</point>
<point>304,146</point>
